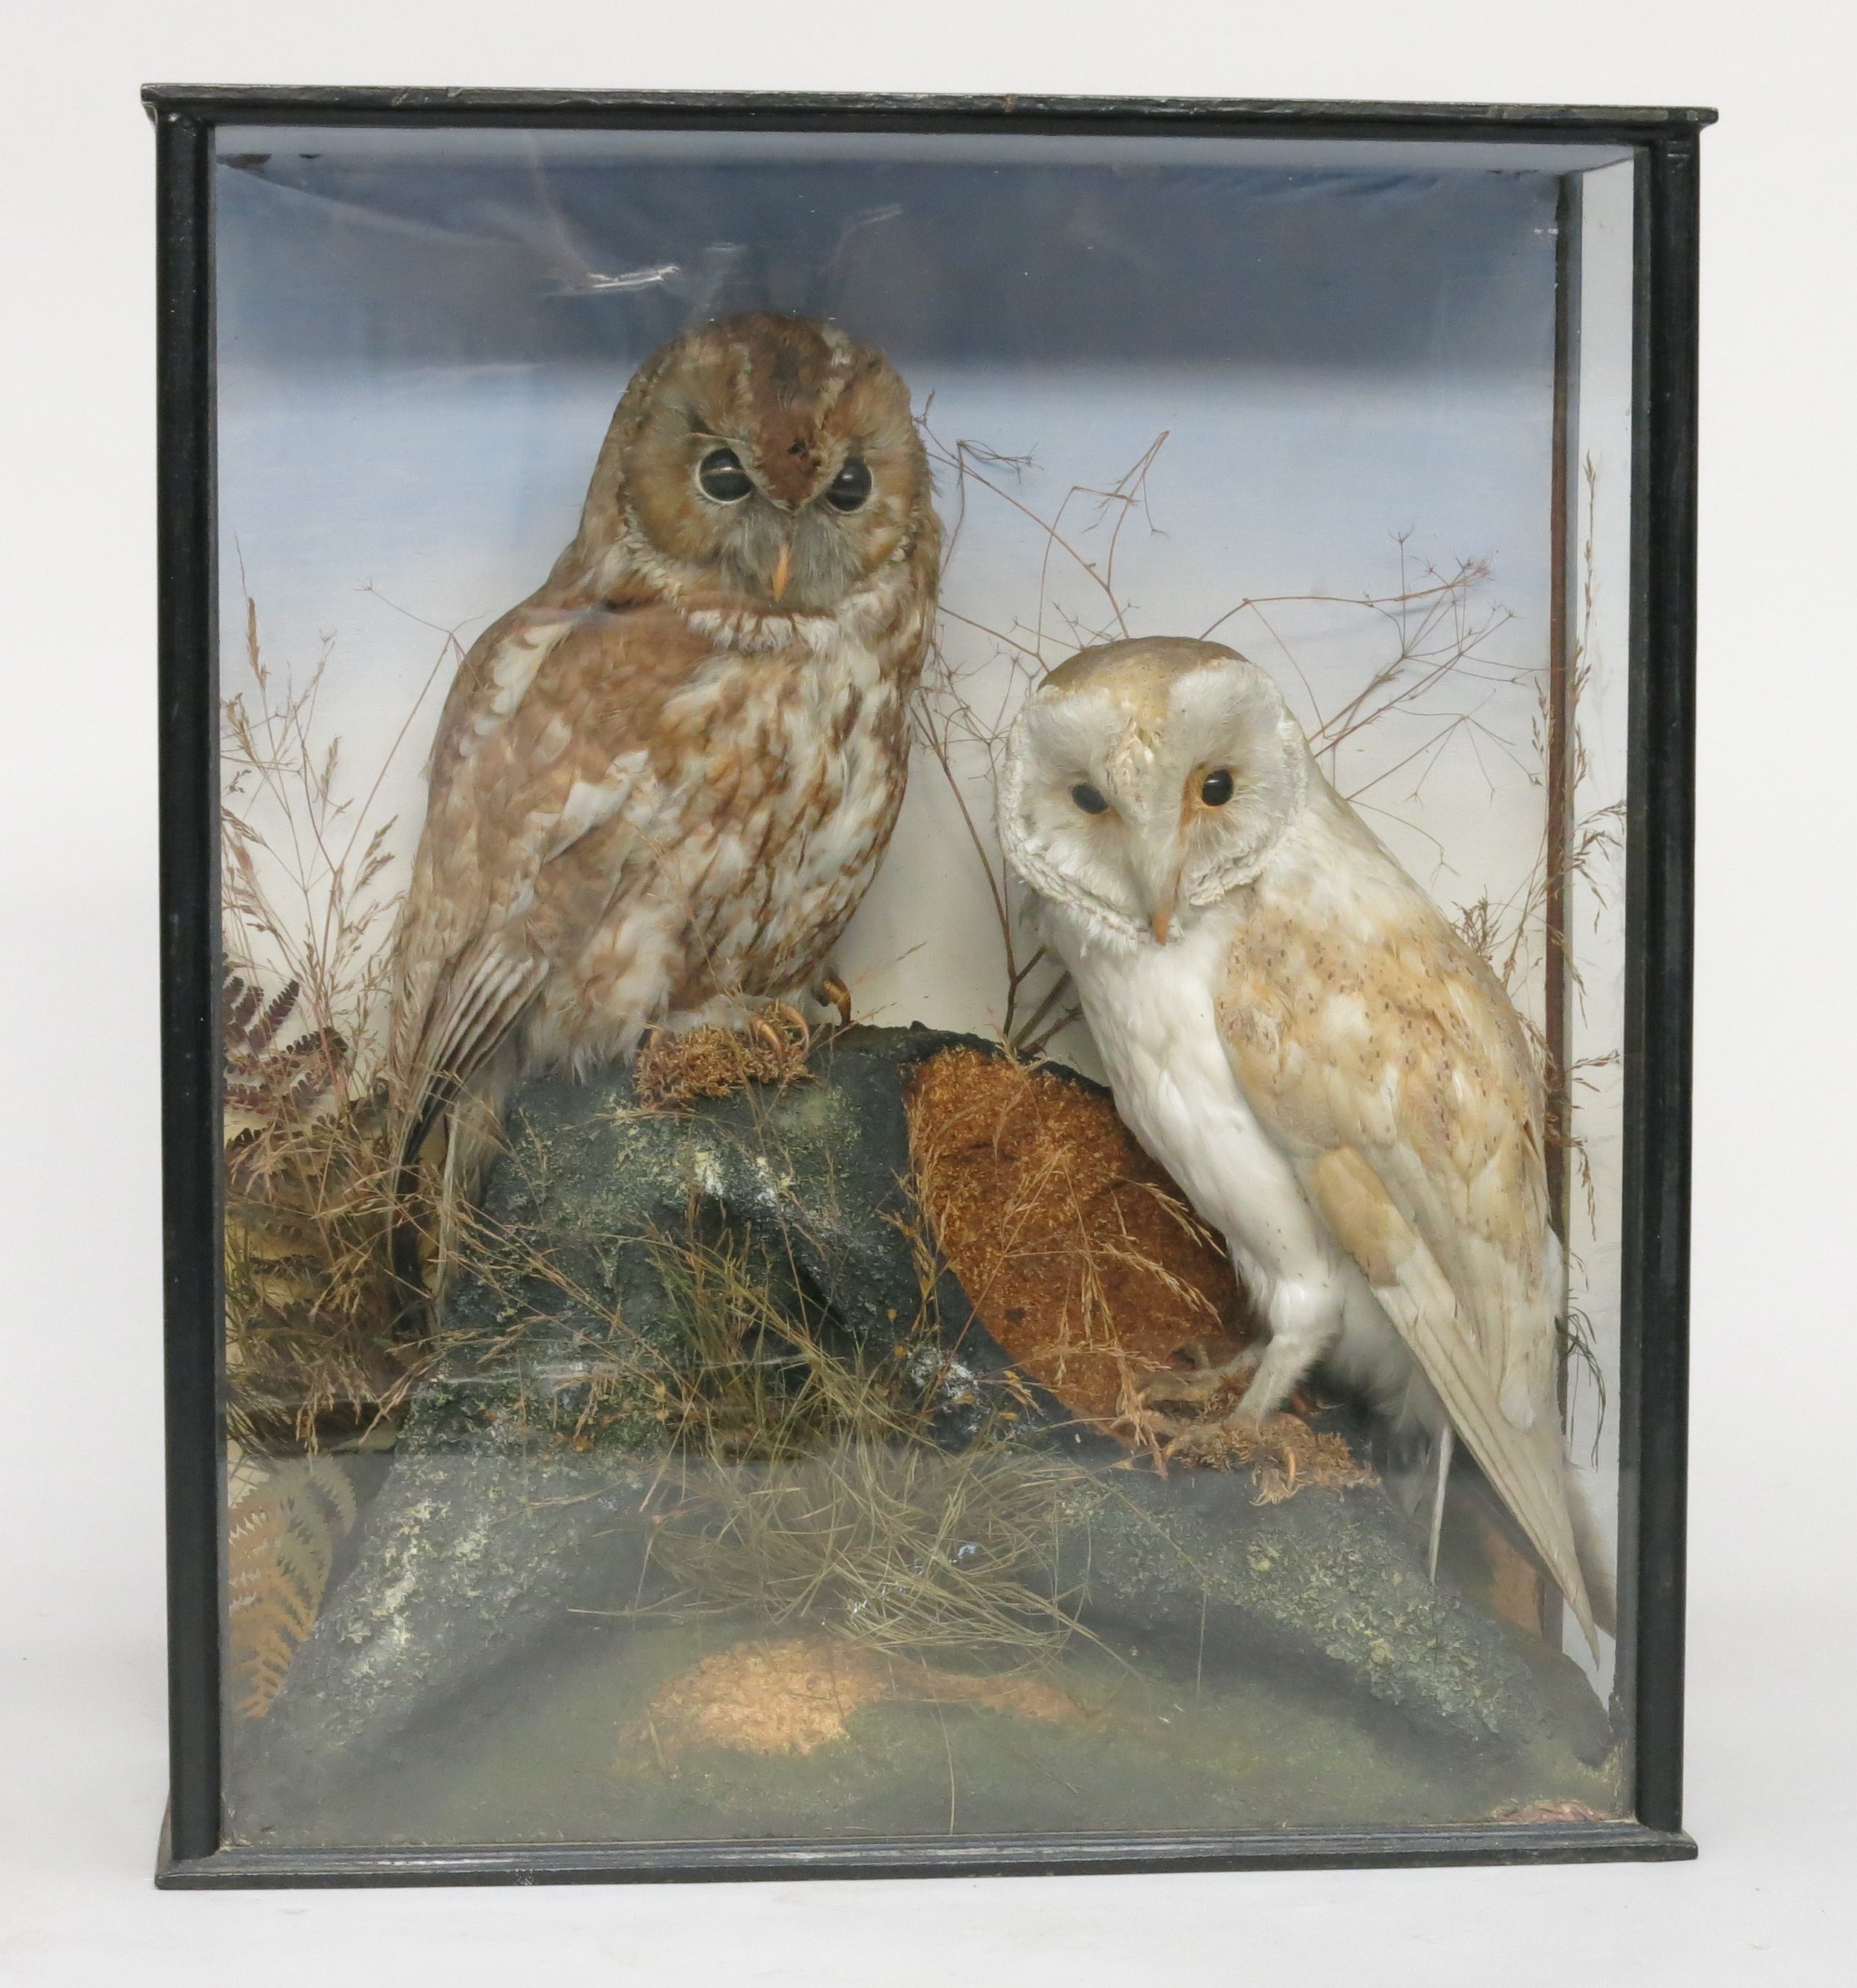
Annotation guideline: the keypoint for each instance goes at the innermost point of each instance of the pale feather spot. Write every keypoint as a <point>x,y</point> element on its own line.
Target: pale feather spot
<point>590,803</point>
<point>552,740</point>
<point>518,660</point>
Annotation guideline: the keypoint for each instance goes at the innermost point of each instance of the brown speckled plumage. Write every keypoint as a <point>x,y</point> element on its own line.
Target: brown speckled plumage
<point>661,785</point>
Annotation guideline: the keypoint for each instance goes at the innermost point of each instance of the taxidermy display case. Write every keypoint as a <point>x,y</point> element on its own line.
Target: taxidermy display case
<point>927,946</point>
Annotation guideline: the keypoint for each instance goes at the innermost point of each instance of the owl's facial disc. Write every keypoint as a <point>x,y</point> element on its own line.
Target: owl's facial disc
<point>770,458</point>
<point>792,541</point>
<point>1138,795</point>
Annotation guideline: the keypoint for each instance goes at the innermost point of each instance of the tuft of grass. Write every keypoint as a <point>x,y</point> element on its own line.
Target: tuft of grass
<point>804,1483</point>
<point>311,1302</point>
<point>317,1350</point>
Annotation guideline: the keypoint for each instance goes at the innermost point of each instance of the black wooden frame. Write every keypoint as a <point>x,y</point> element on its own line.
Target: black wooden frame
<point>1660,816</point>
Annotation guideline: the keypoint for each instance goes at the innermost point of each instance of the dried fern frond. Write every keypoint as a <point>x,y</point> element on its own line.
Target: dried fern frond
<point>284,1521</point>
<point>266,1078</point>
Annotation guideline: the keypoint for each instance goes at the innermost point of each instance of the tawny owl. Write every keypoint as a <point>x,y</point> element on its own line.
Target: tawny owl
<point>662,783</point>
<point>1293,1030</point>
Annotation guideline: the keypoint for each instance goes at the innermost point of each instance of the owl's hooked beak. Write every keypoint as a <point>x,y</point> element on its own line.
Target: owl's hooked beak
<point>783,569</point>
<point>1161,890</point>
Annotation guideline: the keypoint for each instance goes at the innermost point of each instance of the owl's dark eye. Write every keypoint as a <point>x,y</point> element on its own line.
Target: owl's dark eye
<point>1089,799</point>
<point>849,488</point>
<point>1215,790</point>
<point>720,475</point>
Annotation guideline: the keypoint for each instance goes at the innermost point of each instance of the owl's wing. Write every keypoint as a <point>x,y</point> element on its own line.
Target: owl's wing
<point>542,790</point>
<point>1384,1058</point>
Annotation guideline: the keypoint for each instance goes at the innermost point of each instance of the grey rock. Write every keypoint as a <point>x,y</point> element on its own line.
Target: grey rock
<point>1330,1586</point>
<point>815,1173</point>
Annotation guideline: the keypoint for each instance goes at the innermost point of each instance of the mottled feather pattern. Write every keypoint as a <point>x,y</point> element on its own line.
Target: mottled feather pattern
<point>661,785</point>
<point>1382,1054</point>
<point>1367,1022</point>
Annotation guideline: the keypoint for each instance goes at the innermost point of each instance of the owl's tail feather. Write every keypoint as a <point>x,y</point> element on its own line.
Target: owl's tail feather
<point>406,1230</point>
<point>1445,1445</point>
<point>434,1187</point>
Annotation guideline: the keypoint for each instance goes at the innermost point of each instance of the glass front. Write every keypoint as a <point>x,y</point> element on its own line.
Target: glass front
<point>922,1092</point>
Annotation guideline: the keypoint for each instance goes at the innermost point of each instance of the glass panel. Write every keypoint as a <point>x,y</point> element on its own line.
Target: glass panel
<point>743,1323</point>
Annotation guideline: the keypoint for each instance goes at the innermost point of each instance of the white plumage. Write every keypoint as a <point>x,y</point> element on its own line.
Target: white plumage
<point>1293,1030</point>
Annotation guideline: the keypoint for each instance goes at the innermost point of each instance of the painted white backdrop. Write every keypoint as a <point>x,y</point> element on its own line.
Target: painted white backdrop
<point>1772,1746</point>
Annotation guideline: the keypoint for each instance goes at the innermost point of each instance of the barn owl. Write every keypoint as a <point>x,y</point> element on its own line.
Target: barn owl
<point>1293,1029</point>
<point>662,784</point>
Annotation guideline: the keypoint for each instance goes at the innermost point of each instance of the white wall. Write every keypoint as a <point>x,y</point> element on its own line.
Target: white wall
<point>1771,1748</point>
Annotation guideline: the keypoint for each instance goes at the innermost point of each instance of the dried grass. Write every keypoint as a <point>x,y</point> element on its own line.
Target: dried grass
<point>805,1483</point>
<point>311,1302</point>
<point>316,1348</point>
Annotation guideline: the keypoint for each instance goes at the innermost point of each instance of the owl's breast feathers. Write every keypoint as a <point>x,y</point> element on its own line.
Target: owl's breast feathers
<point>1384,1058</point>
<point>635,809</point>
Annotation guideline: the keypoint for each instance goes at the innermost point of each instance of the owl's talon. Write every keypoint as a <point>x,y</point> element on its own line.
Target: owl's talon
<point>1192,1390</point>
<point>1195,1389</point>
<point>1177,1390</point>
<point>834,993</point>
<point>1137,1416</point>
<point>1144,1432</point>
